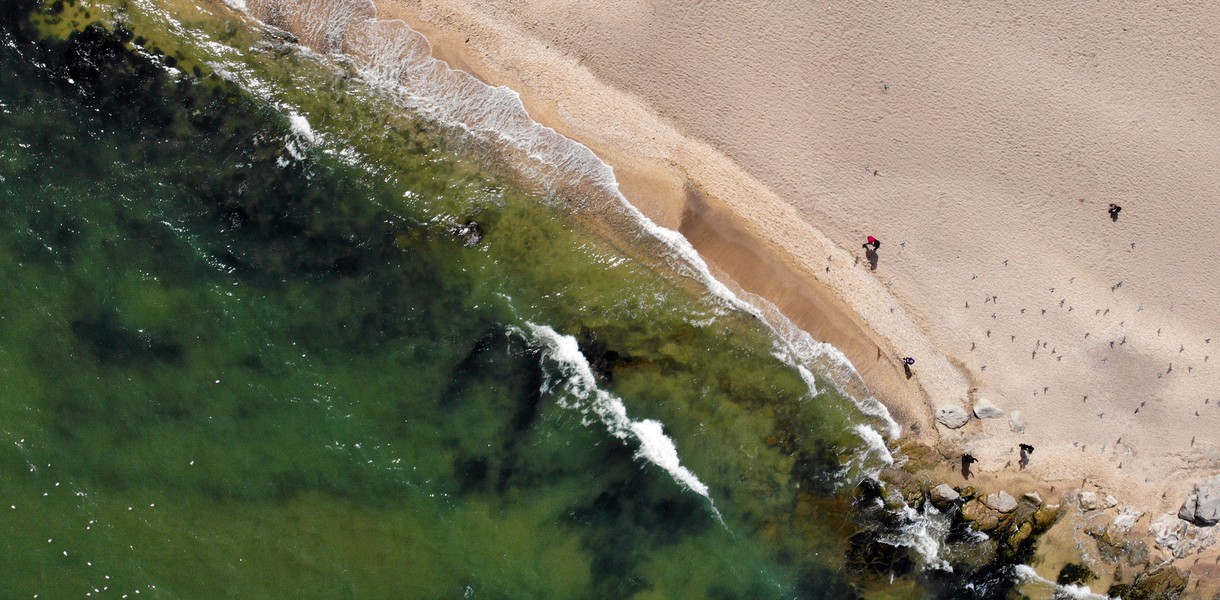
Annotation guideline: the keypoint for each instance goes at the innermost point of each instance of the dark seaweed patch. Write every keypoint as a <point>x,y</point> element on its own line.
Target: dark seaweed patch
<point>637,508</point>
<point>496,388</point>
<point>113,344</point>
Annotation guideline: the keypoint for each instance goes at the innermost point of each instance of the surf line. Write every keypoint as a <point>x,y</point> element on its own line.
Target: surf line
<point>581,392</point>
<point>392,56</point>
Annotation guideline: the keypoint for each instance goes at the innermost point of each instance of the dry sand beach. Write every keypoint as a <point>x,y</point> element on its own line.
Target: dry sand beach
<point>982,143</point>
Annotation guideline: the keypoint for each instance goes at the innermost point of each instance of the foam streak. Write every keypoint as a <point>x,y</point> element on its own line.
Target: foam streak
<point>582,393</point>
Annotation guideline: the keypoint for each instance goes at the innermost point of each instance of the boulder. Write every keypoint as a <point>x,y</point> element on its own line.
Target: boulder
<point>984,409</point>
<point>1046,516</point>
<point>943,496</point>
<point>1202,506</point>
<point>1110,501</point>
<point>1018,537</point>
<point>1016,422</point>
<point>1033,498</point>
<point>1002,502</point>
<point>1126,519</point>
<point>952,416</point>
<point>1088,500</point>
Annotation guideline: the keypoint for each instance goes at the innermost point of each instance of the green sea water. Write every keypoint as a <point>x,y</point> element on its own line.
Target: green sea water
<point>245,359</point>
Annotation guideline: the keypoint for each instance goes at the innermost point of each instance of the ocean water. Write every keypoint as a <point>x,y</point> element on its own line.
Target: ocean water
<point>282,325</point>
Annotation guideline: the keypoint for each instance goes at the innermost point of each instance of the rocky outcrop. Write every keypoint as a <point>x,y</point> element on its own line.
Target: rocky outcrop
<point>1202,506</point>
<point>985,409</point>
<point>1165,582</point>
<point>910,488</point>
<point>1182,538</point>
<point>952,416</point>
<point>980,516</point>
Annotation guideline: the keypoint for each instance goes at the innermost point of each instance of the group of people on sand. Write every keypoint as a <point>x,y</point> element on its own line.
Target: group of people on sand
<point>871,245</point>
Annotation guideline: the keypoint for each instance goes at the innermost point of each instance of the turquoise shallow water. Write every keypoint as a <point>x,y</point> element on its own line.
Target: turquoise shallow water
<point>245,358</point>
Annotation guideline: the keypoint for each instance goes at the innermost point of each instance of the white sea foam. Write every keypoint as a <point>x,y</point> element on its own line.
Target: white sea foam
<point>392,56</point>
<point>581,392</point>
<point>397,59</point>
<point>302,137</point>
<point>923,533</point>
<point>300,126</point>
<point>1027,575</point>
<point>875,443</point>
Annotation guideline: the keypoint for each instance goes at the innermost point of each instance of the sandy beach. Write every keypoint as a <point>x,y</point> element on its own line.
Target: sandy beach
<point>982,144</point>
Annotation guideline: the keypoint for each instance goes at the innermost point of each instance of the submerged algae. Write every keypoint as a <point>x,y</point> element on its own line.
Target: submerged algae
<point>267,358</point>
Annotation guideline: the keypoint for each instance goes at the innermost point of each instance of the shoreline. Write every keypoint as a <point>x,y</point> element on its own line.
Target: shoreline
<point>766,246</point>
<point>676,184</point>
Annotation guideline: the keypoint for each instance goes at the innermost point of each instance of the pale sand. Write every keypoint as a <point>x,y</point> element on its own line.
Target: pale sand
<point>980,142</point>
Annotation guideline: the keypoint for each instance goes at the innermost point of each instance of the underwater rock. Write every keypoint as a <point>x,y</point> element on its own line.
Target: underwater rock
<point>1202,506</point>
<point>943,496</point>
<point>1075,574</point>
<point>865,555</point>
<point>985,409</point>
<point>1001,502</point>
<point>1114,545</point>
<point>1166,582</point>
<point>470,233</point>
<point>952,416</point>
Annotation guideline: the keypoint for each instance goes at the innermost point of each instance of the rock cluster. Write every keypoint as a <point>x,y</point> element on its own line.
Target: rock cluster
<point>1000,516</point>
<point>1182,538</point>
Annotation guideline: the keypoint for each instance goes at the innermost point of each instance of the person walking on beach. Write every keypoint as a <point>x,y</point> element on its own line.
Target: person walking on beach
<point>1114,210</point>
<point>872,244</point>
<point>906,365</point>
<point>967,460</point>
<point>1026,450</point>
